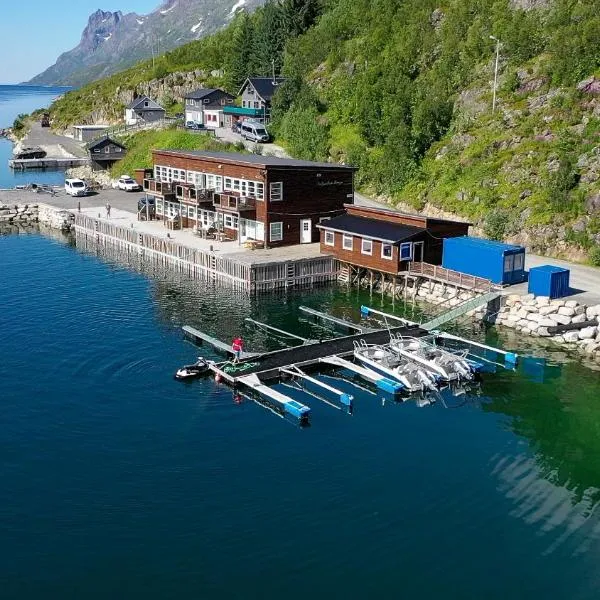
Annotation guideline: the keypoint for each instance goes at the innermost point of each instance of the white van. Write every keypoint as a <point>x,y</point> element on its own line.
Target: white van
<point>254,131</point>
<point>75,187</point>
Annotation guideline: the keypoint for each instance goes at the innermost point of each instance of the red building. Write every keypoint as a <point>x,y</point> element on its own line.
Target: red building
<point>273,200</point>
<point>384,240</point>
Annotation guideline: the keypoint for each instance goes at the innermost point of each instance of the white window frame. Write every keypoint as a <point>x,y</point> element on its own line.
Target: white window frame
<point>329,238</point>
<point>404,245</point>
<point>276,191</point>
<point>365,242</point>
<point>276,237</point>
<point>383,247</point>
<point>345,239</point>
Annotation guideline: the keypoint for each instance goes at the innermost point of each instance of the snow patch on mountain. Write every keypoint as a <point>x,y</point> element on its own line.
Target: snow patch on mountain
<point>196,26</point>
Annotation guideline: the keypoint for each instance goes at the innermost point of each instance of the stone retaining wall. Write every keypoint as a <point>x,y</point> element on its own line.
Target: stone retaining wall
<point>25,215</point>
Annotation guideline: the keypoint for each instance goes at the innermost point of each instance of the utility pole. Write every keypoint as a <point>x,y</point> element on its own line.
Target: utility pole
<point>273,68</point>
<point>495,72</point>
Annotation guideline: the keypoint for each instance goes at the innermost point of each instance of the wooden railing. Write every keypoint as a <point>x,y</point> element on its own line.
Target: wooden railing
<point>159,187</point>
<point>235,202</point>
<point>190,193</point>
<point>463,280</point>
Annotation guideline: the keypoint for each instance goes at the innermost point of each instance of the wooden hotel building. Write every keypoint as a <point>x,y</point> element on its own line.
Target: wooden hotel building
<point>244,197</point>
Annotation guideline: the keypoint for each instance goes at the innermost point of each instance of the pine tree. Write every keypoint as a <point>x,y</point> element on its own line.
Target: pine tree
<point>299,15</point>
<point>269,39</point>
<point>240,60</point>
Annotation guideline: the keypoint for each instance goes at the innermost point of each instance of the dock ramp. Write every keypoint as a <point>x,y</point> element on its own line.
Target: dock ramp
<point>199,337</point>
<point>342,323</point>
<point>381,382</point>
<point>460,310</point>
<point>295,372</point>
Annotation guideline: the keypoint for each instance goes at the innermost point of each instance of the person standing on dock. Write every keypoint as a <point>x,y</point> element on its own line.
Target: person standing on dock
<point>237,347</point>
<point>108,210</point>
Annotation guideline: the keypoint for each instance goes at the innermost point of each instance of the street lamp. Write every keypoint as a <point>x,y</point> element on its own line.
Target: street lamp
<point>492,37</point>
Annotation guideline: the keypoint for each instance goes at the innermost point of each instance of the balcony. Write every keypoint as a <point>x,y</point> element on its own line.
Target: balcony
<point>159,188</point>
<point>234,203</point>
<point>192,195</point>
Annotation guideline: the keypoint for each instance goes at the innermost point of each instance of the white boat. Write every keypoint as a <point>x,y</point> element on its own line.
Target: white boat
<point>451,366</point>
<point>412,376</point>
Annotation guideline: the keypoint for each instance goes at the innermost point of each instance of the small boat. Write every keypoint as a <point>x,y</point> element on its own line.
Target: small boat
<point>200,367</point>
<point>27,153</point>
<point>412,376</point>
<point>451,366</point>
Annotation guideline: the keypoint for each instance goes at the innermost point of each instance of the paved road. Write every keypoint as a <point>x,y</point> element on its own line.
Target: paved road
<point>225,134</point>
<point>44,137</point>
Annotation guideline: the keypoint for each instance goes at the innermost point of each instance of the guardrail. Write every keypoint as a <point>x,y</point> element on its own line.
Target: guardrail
<point>449,276</point>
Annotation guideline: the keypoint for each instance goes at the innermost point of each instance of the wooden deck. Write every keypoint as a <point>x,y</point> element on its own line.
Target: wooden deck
<point>455,278</point>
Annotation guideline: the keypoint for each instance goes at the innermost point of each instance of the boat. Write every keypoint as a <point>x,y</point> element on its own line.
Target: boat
<point>412,376</point>
<point>451,366</point>
<point>200,367</point>
<point>33,152</point>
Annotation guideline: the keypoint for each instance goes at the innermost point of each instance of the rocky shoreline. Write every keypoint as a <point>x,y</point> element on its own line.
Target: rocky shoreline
<point>32,213</point>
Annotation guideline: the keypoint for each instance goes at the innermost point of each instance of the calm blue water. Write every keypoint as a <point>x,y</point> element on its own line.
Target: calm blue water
<point>14,100</point>
<point>118,482</point>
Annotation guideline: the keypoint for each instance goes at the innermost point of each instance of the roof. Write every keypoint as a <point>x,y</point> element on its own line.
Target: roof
<point>392,233</point>
<point>243,112</point>
<point>91,127</point>
<point>201,93</point>
<point>548,269</point>
<point>254,159</point>
<point>265,86</point>
<point>476,242</point>
<point>102,141</point>
<point>152,105</point>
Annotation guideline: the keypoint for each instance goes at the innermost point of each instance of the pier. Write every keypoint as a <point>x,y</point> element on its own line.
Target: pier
<point>56,164</point>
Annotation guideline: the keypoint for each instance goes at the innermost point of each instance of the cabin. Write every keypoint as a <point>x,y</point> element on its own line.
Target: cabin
<point>143,110</point>
<point>205,106</point>
<point>386,241</point>
<point>248,197</point>
<point>257,93</point>
<point>87,133</point>
<point>105,152</point>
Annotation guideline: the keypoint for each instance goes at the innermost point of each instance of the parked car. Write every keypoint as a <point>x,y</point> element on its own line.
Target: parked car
<point>254,131</point>
<point>194,125</point>
<point>128,184</point>
<point>75,187</point>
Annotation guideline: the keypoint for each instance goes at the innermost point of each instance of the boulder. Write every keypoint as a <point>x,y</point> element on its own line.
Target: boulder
<point>557,303</point>
<point>560,319</point>
<point>534,317</point>
<point>579,318</point>
<point>512,299</point>
<point>566,311</point>
<point>571,303</point>
<point>543,331</point>
<point>593,311</point>
<point>548,310</point>
<point>546,322</point>
<point>531,326</point>
<point>580,310</point>
<point>523,323</point>
<point>527,297</point>
<point>587,333</point>
<point>542,300</point>
<point>571,337</point>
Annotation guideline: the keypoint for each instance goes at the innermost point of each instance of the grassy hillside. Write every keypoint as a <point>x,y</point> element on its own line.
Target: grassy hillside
<point>139,147</point>
<point>403,91</point>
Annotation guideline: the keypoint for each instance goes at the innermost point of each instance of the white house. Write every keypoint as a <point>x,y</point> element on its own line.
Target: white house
<point>143,109</point>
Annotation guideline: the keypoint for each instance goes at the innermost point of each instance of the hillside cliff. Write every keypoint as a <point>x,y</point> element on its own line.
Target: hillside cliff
<point>112,41</point>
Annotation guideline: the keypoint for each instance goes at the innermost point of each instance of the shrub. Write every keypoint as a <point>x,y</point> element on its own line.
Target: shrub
<point>594,255</point>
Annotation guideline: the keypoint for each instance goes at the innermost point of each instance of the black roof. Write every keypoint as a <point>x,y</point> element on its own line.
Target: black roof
<point>371,228</point>
<point>265,86</point>
<point>201,93</point>
<point>255,159</point>
<point>102,141</point>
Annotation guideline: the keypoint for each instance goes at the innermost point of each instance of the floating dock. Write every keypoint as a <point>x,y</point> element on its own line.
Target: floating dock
<point>381,382</point>
<point>58,164</point>
<point>200,338</point>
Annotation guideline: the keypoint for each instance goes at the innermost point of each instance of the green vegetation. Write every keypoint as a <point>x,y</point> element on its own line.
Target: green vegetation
<point>19,125</point>
<point>402,90</point>
<point>139,147</point>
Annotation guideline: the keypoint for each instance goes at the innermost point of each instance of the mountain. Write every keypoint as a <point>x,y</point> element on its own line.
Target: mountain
<point>112,41</point>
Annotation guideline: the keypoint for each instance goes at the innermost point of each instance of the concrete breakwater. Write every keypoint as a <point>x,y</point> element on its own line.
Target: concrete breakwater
<point>28,214</point>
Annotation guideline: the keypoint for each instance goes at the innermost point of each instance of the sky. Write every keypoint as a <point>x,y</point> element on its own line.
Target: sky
<point>35,32</point>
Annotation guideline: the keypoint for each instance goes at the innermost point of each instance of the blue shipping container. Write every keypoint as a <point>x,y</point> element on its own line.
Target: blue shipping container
<point>549,281</point>
<point>503,264</point>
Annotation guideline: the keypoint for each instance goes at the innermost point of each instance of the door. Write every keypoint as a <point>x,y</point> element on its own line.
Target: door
<point>418,251</point>
<point>305,231</point>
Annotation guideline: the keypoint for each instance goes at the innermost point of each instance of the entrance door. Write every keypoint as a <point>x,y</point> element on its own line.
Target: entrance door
<point>418,251</point>
<point>305,231</point>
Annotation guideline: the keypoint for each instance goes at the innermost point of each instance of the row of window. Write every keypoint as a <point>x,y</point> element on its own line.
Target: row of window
<point>366,246</point>
<point>249,104</point>
<point>192,102</point>
<point>108,149</point>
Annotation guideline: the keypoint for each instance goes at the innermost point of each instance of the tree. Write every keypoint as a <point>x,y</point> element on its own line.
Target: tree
<point>306,133</point>
<point>239,65</point>
<point>269,40</point>
<point>298,16</point>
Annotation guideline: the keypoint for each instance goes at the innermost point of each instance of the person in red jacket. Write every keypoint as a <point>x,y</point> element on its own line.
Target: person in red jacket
<point>237,347</point>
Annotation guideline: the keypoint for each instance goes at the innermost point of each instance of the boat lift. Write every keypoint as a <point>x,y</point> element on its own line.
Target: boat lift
<point>510,358</point>
<point>342,397</point>
<point>365,311</point>
<point>280,331</point>
<point>342,323</point>
<point>383,383</point>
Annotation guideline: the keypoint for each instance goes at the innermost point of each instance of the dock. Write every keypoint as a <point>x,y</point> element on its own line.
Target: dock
<point>341,323</point>
<point>200,338</point>
<point>57,164</point>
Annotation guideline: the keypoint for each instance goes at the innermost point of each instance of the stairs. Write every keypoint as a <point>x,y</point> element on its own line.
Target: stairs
<point>344,275</point>
<point>460,310</point>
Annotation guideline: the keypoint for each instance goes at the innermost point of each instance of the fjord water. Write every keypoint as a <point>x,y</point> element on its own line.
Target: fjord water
<point>119,482</point>
<point>14,100</point>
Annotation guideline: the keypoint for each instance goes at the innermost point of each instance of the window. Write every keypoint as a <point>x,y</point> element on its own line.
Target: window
<point>260,190</point>
<point>192,212</point>
<point>347,242</point>
<point>519,262</point>
<point>367,247</point>
<point>276,231</point>
<point>406,251</point>
<point>229,221</point>
<point>256,105</point>
<point>107,149</point>
<point>386,251</point>
<point>509,261</point>
<point>243,104</point>
<point>206,100</point>
<point>146,104</point>
<point>329,238</point>
<point>276,191</point>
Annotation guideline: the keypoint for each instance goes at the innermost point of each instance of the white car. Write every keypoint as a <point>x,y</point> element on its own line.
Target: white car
<point>128,184</point>
<point>75,187</point>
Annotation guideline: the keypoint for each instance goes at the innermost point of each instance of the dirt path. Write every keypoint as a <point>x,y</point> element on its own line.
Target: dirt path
<point>56,146</point>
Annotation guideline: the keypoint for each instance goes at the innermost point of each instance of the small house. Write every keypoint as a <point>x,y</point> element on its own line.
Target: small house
<point>87,133</point>
<point>205,106</point>
<point>386,241</point>
<point>143,110</point>
<point>105,152</point>
<point>257,94</point>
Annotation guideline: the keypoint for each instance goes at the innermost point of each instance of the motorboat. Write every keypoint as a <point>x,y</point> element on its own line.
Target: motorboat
<point>451,366</point>
<point>412,376</point>
<point>200,367</point>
